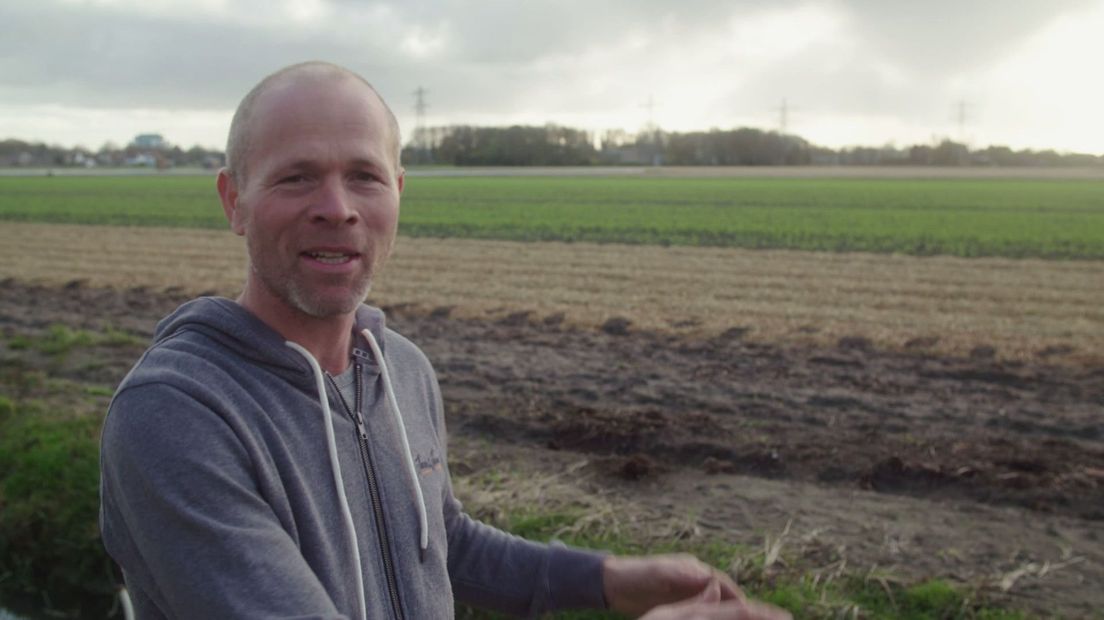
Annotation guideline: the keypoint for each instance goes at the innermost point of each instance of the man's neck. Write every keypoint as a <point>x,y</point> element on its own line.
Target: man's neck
<point>328,339</point>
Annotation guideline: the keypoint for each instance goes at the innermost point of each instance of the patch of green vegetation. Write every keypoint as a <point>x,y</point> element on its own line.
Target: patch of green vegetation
<point>20,343</point>
<point>98,390</point>
<point>49,539</point>
<point>934,597</point>
<point>540,525</point>
<point>19,380</point>
<point>802,594</point>
<point>34,384</point>
<point>56,340</point>
<point>114,337</point>
<point>930,599</point>
<point>59,340</point>
<point>122,201</point>
<point>963,217</point>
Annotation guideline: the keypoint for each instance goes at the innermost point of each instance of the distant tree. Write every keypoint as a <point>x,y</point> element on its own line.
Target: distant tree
<point>948,153</point>
<point>551,145</point>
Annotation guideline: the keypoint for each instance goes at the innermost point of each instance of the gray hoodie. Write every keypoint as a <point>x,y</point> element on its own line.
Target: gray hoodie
<point>219,498</point>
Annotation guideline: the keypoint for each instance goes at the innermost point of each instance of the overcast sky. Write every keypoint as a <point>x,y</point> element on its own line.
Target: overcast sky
<point>851,71</point>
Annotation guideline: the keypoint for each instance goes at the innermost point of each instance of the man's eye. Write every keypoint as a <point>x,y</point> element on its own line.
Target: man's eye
<point>365,177</point>
<point>292,179</point>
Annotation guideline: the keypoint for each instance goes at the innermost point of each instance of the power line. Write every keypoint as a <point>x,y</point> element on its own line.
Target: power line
<point>420,107</point>
<point>652,132</point>
<point>961,114</point>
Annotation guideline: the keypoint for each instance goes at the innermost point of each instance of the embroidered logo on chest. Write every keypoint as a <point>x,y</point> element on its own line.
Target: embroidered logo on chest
<point>428,465</point>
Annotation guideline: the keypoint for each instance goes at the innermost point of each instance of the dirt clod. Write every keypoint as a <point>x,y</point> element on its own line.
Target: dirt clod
<point>922,342</point>
<point>1053,350</point>
<point>638,466</point>
<point>983,352</point>
<point>616,326</point>
<point>734,333</point>
<point>855,343</point>
<point>515,319</point>
<point>441,312</point>
<point>554,319</point>
<point>714,466</point>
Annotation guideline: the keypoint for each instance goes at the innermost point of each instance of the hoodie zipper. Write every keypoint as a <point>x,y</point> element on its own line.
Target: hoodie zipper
<point>357,417</point>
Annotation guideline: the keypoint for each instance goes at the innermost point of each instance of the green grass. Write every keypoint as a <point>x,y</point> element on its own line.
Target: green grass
<point>50,552</point>
<point>793,589</point>
<point>963,217</point>
<point>137,201</point>
<point>59,340</point>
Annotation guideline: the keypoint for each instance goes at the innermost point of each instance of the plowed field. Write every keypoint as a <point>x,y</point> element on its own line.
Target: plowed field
<point>1011,309</point>
<point>927,416</point>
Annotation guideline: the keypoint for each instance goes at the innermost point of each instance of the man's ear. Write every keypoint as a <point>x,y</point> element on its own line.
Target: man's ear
<point>400,179</point>
<point>228,193</point>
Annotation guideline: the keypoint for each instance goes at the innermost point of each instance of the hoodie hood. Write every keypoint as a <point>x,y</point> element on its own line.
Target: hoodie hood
<point>239,330</point>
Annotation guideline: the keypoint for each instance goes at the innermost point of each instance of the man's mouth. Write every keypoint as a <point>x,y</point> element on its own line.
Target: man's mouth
<point>331,258</point>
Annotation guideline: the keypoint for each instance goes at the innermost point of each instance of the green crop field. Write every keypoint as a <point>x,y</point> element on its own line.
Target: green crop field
<point>964,217</point>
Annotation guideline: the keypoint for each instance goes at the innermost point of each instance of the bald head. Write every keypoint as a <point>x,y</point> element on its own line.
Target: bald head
<point>241,127</point>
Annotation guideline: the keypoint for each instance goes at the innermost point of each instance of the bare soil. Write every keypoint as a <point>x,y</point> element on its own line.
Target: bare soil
<point>925,465</point>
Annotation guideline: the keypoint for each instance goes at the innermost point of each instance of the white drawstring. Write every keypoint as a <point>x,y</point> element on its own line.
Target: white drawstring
<point>389,391</point>
<point>124,600</point>
<point>331,444</point>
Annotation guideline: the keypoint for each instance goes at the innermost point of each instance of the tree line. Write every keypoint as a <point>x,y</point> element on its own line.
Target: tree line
<point>18,153</point>
<point>554,145</point>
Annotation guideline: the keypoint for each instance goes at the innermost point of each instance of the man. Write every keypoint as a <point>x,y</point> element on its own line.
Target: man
<point>259,460</point>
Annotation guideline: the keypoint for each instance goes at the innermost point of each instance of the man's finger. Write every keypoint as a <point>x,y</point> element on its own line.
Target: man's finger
<point>711,593</point>
<point>761,611</point>
<point>722,610</point>
<point>729,589</point>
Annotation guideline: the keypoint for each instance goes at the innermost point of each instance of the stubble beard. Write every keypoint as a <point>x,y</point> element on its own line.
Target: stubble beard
<point>320,307</point>
<point>293,289</point>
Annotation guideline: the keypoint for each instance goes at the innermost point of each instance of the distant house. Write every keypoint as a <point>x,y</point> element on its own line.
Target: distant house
<point>143,160</point>
<point>153,141</point>
<point>83,159</point>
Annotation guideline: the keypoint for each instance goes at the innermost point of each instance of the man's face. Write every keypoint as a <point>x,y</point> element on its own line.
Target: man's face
<point>319,207</point>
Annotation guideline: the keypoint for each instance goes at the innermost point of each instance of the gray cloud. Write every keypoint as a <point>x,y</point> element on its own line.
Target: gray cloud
<point>79,55</point>
<point>934,37</point>
<point>503,57</point>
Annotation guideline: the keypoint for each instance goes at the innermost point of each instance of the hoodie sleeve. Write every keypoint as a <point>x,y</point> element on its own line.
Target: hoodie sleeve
<point>495,570</point>
<point>491,569</point>
<point>183,516</point>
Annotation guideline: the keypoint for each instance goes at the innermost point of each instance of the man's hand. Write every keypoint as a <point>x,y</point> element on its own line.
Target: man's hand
<point>669,587</point>
<point>723,610</point>
<point>635,585</point>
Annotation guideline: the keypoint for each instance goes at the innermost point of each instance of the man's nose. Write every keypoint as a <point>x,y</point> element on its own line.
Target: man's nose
<point>333,204</point>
